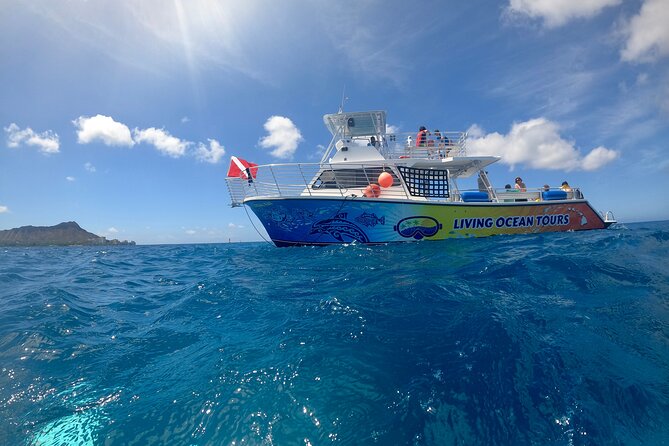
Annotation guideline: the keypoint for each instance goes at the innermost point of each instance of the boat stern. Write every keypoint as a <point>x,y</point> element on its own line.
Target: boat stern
<point>609,219</point>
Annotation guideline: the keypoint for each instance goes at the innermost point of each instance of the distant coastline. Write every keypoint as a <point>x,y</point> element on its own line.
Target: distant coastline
<point>63,234</point>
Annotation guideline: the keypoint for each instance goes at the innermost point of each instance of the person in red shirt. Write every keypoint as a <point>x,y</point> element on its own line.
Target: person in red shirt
<point>421,137</point>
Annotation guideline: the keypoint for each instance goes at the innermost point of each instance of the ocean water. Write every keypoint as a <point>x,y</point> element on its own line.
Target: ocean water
<point>553,339</point>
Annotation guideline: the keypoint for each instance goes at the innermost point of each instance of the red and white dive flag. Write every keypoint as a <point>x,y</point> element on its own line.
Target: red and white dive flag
<point>240,168</point>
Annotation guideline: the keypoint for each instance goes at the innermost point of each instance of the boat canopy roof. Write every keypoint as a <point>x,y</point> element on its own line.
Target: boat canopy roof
<point>458,166</point>
<point>350,124</point>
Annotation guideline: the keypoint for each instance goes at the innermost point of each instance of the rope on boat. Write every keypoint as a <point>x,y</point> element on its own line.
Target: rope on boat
<point>269,242</point>
<point>341,206</point>
<point>254,226</point>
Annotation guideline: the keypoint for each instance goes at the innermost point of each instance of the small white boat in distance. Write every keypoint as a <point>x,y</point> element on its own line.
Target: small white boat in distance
<point>375,187</point>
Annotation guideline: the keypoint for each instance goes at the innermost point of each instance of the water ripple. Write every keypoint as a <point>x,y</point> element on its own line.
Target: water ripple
<point>541,339</point>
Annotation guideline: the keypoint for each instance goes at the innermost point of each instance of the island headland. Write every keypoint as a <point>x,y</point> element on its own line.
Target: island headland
<point>63,234</point>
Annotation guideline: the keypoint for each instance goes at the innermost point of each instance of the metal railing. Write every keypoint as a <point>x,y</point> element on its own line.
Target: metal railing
<point>315,179</point>
<point>356,180</point>
<point>436,145</point>
<point>534,194</point>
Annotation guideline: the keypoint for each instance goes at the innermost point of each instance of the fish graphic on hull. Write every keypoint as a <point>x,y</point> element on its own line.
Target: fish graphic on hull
<point>370,220</point>
<point>289,220</point>
<point>339,228</point>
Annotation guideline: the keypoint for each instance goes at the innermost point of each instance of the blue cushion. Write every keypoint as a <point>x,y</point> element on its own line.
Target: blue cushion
<point>554,195</point>
<point>474,197</point>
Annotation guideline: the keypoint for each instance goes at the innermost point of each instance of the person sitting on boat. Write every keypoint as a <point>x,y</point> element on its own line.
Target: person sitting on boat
<point>421,137</point>
<point>448,144</point>
<point>372,142</point>
<point>565,187</point>
<point>520,185</point>
<point>546,188</point>
<point>443,143</point>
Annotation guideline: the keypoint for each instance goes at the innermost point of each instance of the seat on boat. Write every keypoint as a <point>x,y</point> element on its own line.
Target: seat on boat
<point>474,197</point>
<point>554,195</point>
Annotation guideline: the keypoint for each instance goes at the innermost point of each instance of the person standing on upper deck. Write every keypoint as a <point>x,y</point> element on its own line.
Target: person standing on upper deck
<point>421,137</point>
<point>520,185</point>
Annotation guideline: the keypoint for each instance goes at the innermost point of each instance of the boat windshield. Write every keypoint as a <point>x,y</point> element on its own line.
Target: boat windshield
<point>348,125</point>
<point>350,178</point>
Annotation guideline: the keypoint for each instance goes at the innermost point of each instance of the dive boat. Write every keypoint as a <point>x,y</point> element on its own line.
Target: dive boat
<point>377,187</point>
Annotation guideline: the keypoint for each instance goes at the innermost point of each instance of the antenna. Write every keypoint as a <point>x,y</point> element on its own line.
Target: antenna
<point>343,99</point>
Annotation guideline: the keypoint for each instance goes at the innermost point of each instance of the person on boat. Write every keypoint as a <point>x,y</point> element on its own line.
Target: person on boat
<point>421,137</point>
<point>520,185</point>
<point>507,187</point>
<point>565,187</point>
<point>440,144</point>
<point>443,143</point>
<point>546,188</point>
<point>372,142</point>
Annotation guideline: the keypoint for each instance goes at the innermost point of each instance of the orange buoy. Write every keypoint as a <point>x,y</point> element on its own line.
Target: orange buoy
<point>385,179</point>
<point>372,191</point>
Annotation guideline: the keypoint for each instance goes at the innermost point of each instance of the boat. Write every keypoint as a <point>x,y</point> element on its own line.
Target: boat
<point>372,186</point>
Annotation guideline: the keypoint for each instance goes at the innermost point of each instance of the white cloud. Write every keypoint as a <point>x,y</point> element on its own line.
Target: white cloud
<point>475,131</point>
<point>102,128</point>
<point>283,137</point>
<point>235,226</point>
<point>70,179</point>
<point>89,167</point>
<point>47,142</point>
<point>4,209</point>
<point>647,33</point>
<point>537,144</point>
<point>113,133</point>
<point>213,154</point>
<point>598,157</point>
<point>320,151</point>
<point>191,231</point>
<point>558,12</point>
<point>162,141</point>
<point>112,230</point>
<point>391,129</point>
<point>185,119</point>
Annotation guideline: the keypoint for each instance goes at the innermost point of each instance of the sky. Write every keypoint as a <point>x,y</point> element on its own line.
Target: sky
<point>122,115</point>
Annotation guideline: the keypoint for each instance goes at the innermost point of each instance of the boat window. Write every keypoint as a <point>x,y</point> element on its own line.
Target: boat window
<point>350,178</point>
<point>425,182</point>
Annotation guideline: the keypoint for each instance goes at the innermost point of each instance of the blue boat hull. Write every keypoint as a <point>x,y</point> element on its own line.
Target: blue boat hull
<point>325,221</point>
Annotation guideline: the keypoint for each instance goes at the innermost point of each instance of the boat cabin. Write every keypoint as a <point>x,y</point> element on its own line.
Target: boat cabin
<point>361,150</point>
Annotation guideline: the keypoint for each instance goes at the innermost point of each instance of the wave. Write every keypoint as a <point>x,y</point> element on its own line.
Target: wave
<point>536,339</point>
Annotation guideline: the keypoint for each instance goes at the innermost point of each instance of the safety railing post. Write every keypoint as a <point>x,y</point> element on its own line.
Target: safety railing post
<point>304,179</point>
<point>276,183</point>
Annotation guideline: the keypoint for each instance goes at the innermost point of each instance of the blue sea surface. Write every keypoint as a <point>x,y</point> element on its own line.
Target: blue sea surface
<point>549,339</point>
